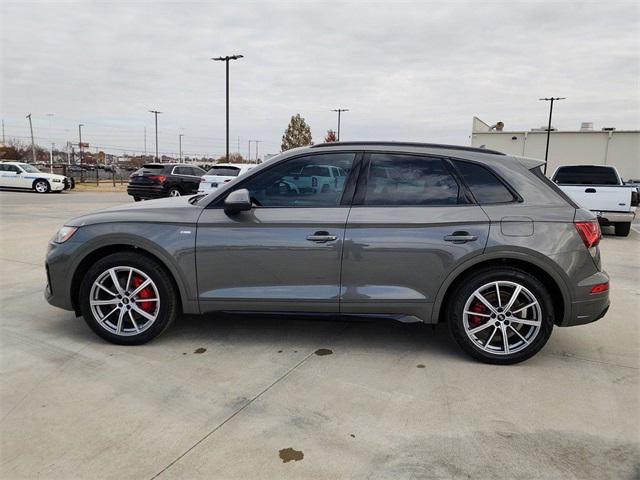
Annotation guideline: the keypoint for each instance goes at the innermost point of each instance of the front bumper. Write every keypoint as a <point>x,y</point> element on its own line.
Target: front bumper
<point>58,288</point>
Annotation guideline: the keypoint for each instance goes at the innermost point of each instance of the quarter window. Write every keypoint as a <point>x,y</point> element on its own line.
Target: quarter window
<point>307,181</point>
<point>485,186</point>
<point>410,180</point>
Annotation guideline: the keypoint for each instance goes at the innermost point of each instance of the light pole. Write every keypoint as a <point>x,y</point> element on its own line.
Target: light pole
<point>339,110</point>
<point>257,142</point>
<point>80,144</point>
<point>50,115</point>
<point>33,145</point>
<point>546,152</point>
<point>155,113</point>
<point>180,143</point>
<point>226,60</point>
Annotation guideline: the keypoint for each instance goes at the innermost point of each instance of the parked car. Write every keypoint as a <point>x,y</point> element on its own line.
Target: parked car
<point>317,178</point>
<point>600,188</point>
<point>222,173</point>
<point>27,177</point>
<point>155,180</point>
<point>469,237</point>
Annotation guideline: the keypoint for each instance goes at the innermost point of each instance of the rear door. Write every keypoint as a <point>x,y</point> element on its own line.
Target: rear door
<point>411,223</point>
<point>285,253</point>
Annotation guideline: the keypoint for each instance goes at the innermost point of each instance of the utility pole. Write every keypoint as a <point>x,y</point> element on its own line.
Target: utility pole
<point>50,115</point>
<point>3,131</point>
<point>80,142</point>
<point>180,143</point>
<point>33,145</point>
<point>257,142</point>
<point>145,141</point>
<point>249,156</point>
<point>339,110</point>
<point>155,113</point>
<point>226,60</point>
<point>546,152</point>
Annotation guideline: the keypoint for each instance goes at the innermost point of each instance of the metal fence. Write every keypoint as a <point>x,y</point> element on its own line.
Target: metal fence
<point>90,174</point>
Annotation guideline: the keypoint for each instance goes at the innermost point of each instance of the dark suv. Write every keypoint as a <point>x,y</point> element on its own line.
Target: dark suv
<point>155,180</point>
<point>478,240</point>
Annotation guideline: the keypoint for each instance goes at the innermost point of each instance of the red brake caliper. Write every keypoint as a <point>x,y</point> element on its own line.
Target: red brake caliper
<point>146,292</point>
<point>475,320</point>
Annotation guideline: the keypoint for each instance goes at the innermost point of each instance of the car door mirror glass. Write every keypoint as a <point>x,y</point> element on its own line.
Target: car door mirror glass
<point>237,201</point>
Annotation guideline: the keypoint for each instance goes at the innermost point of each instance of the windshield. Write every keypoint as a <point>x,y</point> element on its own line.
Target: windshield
<point>29,168</point>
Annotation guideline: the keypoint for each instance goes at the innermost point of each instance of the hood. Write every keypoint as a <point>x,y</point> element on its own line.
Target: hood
<point>176,210</point>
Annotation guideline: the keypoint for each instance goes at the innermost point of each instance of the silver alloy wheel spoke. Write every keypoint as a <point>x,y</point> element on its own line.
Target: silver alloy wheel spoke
<point>501,317</point>
<point>131,319</point>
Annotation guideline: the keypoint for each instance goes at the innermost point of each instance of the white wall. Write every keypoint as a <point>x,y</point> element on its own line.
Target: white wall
<point>618,148</point>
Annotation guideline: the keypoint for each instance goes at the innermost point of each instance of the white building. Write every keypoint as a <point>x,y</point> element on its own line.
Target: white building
<point>607,146</point>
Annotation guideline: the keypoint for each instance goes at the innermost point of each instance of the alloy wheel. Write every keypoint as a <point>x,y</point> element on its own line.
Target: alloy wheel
<point>124,301</point>
<point>174,192</point>
<point>41,187</point>
<point>502,317</point>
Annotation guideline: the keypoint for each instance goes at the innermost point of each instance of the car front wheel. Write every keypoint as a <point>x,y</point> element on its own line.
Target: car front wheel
<point>127,298</point>
<point>174,192</point>
<point>41,186</point>
<point>501,316</point>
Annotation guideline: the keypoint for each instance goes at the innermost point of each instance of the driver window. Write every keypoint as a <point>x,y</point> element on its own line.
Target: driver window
<point>310,181</point>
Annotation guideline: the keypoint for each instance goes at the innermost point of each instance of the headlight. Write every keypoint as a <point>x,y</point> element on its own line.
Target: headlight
<point>64,234</point>
<point>56,180</point>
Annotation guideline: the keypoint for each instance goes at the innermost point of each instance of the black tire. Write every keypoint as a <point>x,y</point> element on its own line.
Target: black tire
<point>174,192</point>
<point>622,229</point>
<point>465,289</point>
<point>136,199</point>
<point>168,309</point>
<point>41,186</point>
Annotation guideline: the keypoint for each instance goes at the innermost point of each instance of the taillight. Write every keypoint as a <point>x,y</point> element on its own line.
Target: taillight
<point>635,198</point>
<point>600,288</point>
<point>157,178</point>
<point>589,232</point>
<point>314,182</point>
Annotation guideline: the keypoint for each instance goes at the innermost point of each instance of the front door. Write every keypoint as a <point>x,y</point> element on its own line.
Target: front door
<point>284,254</point>
<point>410,224</point>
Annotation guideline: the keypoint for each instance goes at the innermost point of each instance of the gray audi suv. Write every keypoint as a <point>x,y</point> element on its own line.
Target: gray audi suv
<point>473,238</point>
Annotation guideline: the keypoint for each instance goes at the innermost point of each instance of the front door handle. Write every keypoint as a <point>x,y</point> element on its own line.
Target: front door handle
<point>590,190</point>
<point>460,237</point>
<point>322,237</point>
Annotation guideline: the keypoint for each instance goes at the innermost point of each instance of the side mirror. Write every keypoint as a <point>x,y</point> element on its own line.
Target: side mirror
<point>237,201</point>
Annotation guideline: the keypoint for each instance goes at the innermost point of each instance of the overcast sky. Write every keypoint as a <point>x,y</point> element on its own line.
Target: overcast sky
<point>407,71</point>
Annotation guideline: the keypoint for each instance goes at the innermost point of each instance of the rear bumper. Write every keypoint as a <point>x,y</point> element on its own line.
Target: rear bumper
<point>606,218</point>
<point>146,191</point>
<point>588,307</point>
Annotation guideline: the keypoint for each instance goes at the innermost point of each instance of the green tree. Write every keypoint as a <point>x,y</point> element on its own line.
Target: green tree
<point>297,134</point>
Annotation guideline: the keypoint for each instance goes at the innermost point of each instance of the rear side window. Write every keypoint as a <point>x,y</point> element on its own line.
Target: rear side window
<point>585,175</point>
<point>398,180</point>
<point>224,171</point>
<point>484,185</point>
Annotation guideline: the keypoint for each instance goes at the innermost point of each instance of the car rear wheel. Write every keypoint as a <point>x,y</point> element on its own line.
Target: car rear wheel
<point>501,316</point>
<point>127,298</point>
<point>175,192</point>
<point>622,229</point>
<point>41,186</point>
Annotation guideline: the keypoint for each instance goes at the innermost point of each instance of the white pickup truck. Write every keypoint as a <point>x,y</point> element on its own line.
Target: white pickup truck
<point>318,178</point>
<point>600,188</point>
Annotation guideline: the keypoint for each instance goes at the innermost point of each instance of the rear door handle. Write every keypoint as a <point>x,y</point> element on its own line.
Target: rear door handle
<point>460,238</point>
<point>322,237</point>
<point>590,190</point>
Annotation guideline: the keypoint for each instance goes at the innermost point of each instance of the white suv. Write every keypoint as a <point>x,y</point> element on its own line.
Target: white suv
<point>222,173</point>
<point>25,176</point>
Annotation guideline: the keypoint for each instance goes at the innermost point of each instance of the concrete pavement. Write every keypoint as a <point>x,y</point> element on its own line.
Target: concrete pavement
<point>239,398</point>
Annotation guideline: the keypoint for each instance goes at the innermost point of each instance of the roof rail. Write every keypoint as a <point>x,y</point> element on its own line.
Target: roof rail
<point>409,144</point>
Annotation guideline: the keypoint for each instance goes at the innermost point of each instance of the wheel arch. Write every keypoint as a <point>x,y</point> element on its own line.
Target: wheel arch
<point>551,278</point>
<point>33,184</point>
<point>94,254</point>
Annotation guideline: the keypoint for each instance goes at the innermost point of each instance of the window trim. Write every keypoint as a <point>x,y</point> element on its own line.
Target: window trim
<point>361,191</point>
<point>516,196</point>
<point>347,192</point>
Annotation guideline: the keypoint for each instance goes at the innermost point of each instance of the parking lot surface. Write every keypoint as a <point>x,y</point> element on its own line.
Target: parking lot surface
<point>240,398</point>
